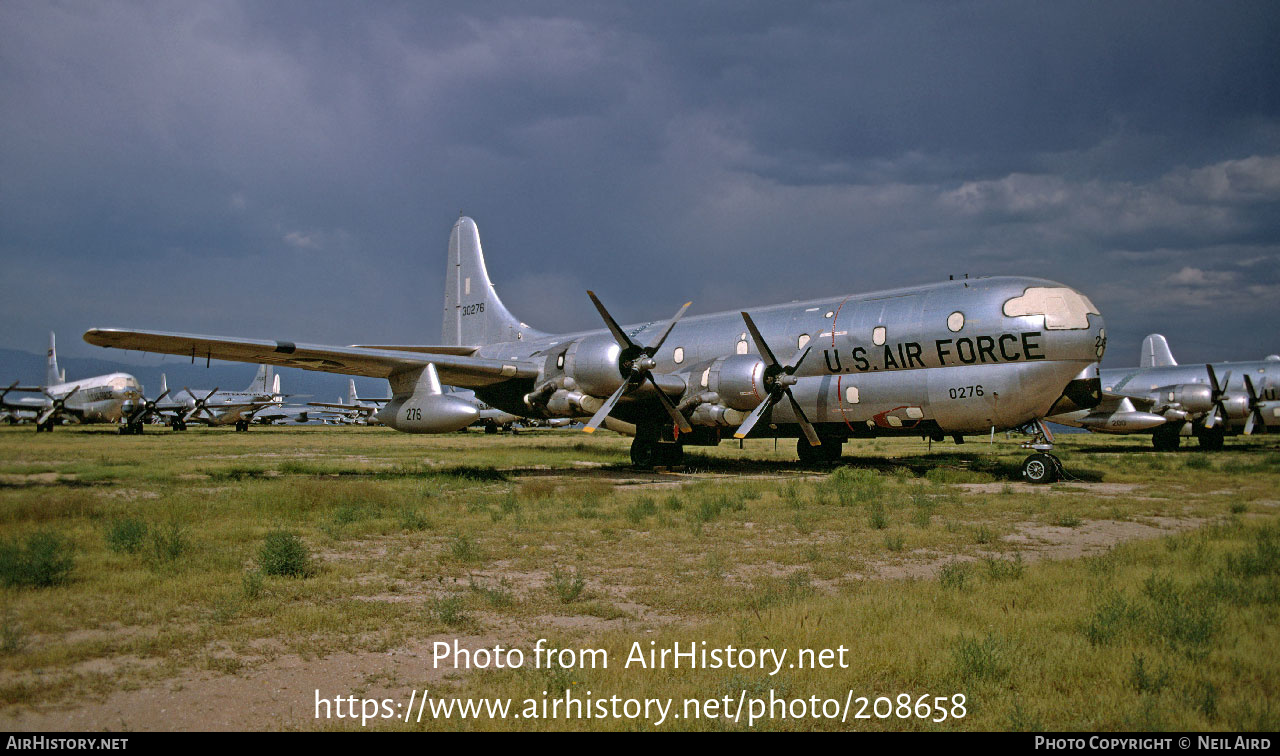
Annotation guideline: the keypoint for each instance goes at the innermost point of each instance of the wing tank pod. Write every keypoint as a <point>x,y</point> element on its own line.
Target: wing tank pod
<point>419,404</point>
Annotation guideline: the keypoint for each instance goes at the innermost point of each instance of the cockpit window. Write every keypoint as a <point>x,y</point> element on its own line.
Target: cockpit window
<point>1063,309</point>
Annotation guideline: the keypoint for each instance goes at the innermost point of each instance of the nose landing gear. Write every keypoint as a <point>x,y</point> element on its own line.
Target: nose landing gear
<point>1041,467</point>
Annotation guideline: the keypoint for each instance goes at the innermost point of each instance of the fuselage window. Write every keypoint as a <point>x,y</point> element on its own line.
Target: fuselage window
<point>955,321</point>
<point>678,355</point>
<point>802,340</point>
<point>878,335</point>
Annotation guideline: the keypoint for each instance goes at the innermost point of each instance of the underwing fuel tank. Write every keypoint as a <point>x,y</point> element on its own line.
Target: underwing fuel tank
<point>418,405</point>
<point>1122,422</point>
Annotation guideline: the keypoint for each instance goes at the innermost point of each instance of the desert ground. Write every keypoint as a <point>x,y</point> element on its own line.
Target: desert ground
<point>213,580</point>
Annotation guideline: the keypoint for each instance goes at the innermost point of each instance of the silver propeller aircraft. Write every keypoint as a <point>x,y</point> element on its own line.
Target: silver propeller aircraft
<point>99,399</point>
<point>226,407</point>
<point>354,410</point>
<point>953,358</point>
<point>1172,401</point>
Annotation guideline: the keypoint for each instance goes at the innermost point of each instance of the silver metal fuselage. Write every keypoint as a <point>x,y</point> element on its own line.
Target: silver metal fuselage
<point>944,357</point>
<point>100,399</point>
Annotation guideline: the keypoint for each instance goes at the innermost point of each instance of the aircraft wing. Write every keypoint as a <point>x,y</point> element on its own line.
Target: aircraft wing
<point>373,363</point>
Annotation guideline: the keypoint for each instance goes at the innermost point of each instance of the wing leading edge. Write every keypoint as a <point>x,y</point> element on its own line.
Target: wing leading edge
<point>373,363</point>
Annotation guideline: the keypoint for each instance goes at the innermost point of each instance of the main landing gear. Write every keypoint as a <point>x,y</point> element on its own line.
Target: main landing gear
<point>829,451</point>
<point>242,426</point>
<point>1167,437</point>
<point>131,429</point>
<point>1041,467</point>
<point>648,453</point>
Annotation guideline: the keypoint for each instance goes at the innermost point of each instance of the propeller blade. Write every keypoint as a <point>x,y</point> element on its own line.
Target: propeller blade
<point>605,409</point>
<point>805,425</point>
<point>754,417</point>
<point>799,358</point>
<point>1256,418</point>
<point>653,348</point>
<point>618,334</point>
<point>1216,398</point>
<point>764,349</point>
<point>670,407</point>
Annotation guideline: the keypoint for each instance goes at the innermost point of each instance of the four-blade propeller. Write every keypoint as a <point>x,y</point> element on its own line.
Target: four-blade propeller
<point>56,405</point>
<point>146,409</point>
<point>636,364</point>
<point>1219,393</point>
<point>201,405</point>
<point>778,380</point>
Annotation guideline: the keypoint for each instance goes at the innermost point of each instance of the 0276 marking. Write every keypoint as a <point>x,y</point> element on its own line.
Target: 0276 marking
<point>965,392</point>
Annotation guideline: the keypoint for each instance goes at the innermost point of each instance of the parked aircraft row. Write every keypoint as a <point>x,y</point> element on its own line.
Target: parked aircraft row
<point>1173,401</point>
<point>119,399</point>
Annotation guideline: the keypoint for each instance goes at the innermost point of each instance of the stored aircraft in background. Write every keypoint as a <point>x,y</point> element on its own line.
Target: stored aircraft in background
<point>238,408</point>
<point>354,411</point>
<point>98,399</point>
<point>959,357</point>
<point>1172,401</point>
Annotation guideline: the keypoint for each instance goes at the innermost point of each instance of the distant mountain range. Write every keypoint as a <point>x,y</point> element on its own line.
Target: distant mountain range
<point>29,370</point>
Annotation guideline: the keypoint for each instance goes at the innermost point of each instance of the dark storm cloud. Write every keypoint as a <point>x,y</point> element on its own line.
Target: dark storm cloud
<point>292,169</point>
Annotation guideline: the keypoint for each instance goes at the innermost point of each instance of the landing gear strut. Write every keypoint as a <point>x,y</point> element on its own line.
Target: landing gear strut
<point>131,429</point>
<point>1041,467</point>
<point>242,426</point>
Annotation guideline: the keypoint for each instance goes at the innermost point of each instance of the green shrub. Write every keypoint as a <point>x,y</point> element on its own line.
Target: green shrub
<point>566,586</point>
<point>284,554</point>
<point>126,535</point>
<point>44,560</point>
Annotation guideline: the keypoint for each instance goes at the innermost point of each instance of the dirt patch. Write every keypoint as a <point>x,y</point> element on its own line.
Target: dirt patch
<point>277,694</point>
<point>35,479</point>
<point>1036,541</point>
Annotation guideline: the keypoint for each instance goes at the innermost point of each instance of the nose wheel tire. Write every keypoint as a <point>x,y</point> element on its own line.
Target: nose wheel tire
<point>1041,468</point>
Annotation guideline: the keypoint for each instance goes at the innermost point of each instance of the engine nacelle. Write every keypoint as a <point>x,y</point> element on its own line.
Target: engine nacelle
<point>428,413</point>
<point>592,364</point>
<point>1236,405</point>
<point>739,380</point>
<point>1192,397</point>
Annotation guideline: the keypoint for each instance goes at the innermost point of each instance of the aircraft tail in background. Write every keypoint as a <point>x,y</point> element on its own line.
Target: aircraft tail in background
<point>263,382</point>
<point>52,376</point>
<point>1155,352</point>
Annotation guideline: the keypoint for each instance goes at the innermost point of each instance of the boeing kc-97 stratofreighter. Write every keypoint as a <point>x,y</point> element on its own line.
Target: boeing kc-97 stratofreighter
<point>1170,401</point>
<point>99,399</point>
<point>966,356</point>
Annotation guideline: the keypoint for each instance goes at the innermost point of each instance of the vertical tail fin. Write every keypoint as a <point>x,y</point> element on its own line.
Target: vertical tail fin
<point>275,386</point>
<point>164,384</point>
<point>473,314</point>
<point>262,382</point>
<point>52,375</point>
<point>352,398</point>
<point>1155,352</point>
